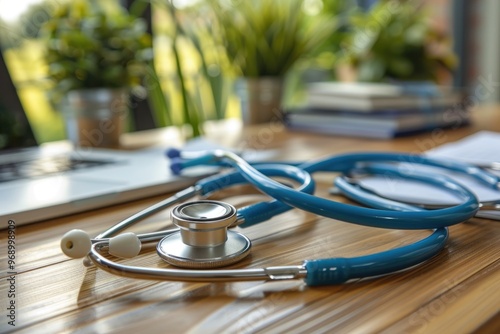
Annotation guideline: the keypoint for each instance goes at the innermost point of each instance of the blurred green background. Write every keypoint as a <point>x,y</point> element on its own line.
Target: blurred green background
<point>189,59</point>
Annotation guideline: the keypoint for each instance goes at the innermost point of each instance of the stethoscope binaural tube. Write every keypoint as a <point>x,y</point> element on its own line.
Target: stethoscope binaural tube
<point>360,215</point>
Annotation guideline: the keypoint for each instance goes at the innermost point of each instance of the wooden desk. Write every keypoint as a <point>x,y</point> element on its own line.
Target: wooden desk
<point>457,291</point>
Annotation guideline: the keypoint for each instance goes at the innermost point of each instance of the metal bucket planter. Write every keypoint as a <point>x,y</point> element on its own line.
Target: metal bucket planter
<point>260,99</point>
<point>96,117</point>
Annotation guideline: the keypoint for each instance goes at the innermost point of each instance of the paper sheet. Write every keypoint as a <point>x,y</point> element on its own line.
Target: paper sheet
<point>482,148</point>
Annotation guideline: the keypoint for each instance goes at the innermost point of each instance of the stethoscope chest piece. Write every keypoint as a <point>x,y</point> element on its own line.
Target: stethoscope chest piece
<point>203,240</point>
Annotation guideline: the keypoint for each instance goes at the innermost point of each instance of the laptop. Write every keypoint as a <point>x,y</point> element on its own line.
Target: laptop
<point>39,183</point>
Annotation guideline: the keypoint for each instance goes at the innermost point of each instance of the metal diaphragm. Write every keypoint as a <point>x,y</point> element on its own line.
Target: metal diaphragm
<point>203,240</point>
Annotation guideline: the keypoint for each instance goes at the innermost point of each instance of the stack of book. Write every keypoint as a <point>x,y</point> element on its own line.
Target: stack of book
<point>377,110</point>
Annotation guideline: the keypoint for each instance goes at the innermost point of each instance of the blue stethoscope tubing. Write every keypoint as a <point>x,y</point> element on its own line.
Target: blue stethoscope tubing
<point>347,163</point>
<point>340,270</point>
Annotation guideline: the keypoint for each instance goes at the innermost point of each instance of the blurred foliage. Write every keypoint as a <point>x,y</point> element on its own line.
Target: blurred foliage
<point>267,38</point>
<point>210,87</point>
<point>327,54</point>
<point>90,45</point>
<point>27,26</point>
<point>394,40</point>
<point>33,19</point>
<point>231,38</point>
<point>191,115</point>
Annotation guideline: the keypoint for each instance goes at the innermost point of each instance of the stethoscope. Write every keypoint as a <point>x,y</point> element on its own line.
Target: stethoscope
<point>203,240</point>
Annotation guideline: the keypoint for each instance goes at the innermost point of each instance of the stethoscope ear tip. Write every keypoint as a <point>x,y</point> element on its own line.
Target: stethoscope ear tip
<point>125,245</point>
<point>176,166</point>
<point>173,153</point>
<point>76,244</point>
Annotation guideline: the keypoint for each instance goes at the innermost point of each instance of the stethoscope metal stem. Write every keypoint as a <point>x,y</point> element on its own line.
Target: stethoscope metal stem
<point>492,165</point>
<point>178,197</point>
<point>145,237</point>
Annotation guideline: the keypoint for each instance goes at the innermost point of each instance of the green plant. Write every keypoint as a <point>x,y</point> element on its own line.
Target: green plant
<point>200,32</point>
<point>90,45</point>
<point>394,40</point>
<point>266,38</point>
<point>209,85</point>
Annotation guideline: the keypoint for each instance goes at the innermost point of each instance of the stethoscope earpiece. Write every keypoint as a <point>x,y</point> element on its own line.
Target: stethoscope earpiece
<point>173,153</point>
<point>126,245</point>
<point>77,244</point>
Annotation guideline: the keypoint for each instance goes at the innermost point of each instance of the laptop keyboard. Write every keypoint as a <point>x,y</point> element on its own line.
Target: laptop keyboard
<point>45,166</point>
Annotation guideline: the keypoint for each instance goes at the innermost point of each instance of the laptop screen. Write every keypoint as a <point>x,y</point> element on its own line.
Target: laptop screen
<point>15,130</point>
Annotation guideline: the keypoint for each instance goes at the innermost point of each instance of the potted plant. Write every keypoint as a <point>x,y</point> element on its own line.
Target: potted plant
<point>262,40</point>
<point>96,55</point>
<point>395,41</point>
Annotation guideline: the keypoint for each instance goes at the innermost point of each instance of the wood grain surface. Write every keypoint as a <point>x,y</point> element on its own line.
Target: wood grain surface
<point>457,291</point>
